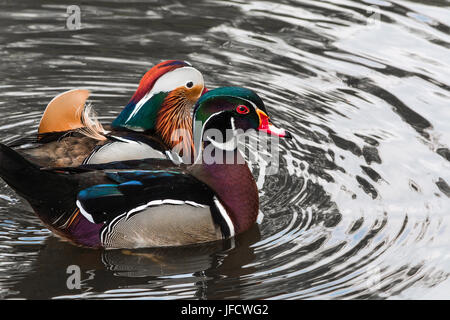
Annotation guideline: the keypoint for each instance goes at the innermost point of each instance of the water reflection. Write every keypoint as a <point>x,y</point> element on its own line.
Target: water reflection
<point>359,206</point>
<point>118,273</point>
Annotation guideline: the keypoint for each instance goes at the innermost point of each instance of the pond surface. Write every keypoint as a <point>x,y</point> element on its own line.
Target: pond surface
<point>360,205</point>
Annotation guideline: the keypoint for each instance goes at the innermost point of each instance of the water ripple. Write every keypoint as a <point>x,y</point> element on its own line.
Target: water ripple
<point>358,207</point>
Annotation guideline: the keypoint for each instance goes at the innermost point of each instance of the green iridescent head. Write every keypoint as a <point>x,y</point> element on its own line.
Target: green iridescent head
<point>232,108</point>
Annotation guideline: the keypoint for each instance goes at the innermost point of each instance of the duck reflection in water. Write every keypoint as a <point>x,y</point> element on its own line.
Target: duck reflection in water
<point>198,267</point>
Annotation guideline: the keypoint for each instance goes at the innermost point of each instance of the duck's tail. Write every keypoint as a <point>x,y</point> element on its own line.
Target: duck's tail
<point>49,193</point>
<point>29,180</point>
<point>23,176</point>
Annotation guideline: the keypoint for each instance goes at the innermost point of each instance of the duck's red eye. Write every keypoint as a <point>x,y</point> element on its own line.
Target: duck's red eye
<point>242,109</point>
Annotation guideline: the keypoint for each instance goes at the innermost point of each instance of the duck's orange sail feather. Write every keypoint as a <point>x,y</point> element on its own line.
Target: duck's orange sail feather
<point>64,112</point>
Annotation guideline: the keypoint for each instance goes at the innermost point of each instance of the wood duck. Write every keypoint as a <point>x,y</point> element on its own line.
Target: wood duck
<point>152,202</point>
<point>70,135</point>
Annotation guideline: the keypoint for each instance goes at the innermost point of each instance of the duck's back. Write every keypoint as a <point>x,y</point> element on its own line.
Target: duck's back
<point>68,152</point>
<point>73,149</point>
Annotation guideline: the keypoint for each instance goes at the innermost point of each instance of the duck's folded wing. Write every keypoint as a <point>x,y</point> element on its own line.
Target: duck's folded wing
<point>155,208</point>
<point>138,189</point>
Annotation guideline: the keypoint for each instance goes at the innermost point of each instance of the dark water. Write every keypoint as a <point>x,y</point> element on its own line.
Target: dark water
<point>360,205</point>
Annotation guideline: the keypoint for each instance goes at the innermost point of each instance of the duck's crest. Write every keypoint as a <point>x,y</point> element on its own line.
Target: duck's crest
<point>238,92</point>
<point>128,117</point>
<point>148,80</point>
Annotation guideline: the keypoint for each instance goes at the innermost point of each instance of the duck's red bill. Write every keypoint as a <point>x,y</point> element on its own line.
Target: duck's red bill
<point>266,126</point>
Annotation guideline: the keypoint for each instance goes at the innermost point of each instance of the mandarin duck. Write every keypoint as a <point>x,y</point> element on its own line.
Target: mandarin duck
<point>154,202</point>
<point>69,134</point>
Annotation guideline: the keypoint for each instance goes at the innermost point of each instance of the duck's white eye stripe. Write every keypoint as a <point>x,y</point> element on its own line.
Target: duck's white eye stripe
<point>168,82</point>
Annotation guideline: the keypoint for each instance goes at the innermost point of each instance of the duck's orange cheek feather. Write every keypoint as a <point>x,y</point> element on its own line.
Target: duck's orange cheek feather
<point>189,94</point>
<point>193,93</point>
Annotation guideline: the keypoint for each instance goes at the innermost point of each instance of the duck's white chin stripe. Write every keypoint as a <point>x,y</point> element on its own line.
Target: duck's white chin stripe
<point>227,146</point>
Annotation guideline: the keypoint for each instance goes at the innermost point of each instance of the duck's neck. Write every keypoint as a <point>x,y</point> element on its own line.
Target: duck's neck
<point>140,115</point>
<point>167,115</point>
<point>233,184</point>
<point>174,124</point>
